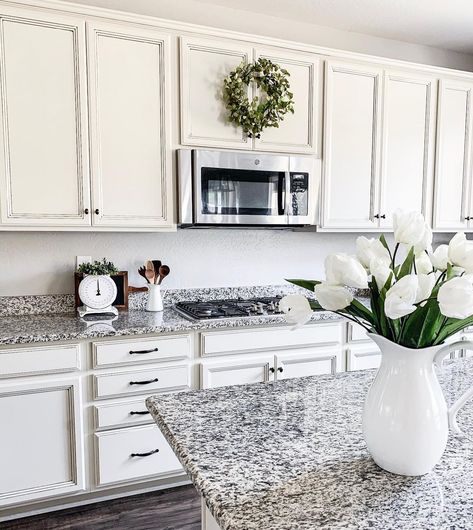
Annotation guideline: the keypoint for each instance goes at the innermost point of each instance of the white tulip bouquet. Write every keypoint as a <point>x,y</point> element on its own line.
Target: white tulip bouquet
<point>417,303</point>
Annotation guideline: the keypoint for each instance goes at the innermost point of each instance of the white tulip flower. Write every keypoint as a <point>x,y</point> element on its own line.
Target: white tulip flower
<point>425,242</point>
<point>343,269</point>
<point>423,264</point>
<point>401,297</point>
<point>426,283</point>
<point>369,249</point>
<point>333,297</point>
<point>439,258</point>
<point>410,228</point>
<point>460,252</point>
<point>296,308</point>
<point>380,272</point>
<point>455,298</point>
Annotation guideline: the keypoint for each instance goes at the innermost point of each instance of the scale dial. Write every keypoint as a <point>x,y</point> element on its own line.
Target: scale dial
<point>97,292</point>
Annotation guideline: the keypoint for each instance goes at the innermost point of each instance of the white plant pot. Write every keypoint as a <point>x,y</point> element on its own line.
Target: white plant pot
<point>155,299</point>
<point>406,419</point>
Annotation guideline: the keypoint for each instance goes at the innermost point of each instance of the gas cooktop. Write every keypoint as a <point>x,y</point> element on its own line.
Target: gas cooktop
<point>217,309</point>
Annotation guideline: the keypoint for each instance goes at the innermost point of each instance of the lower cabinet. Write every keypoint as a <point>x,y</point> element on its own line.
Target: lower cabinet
<point>41,444</point>
<point>271,367</point>
<point>133,454</point>
<point>363,357</point>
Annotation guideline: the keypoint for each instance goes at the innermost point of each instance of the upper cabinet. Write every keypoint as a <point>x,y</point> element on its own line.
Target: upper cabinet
<point>129,113</point>
<point>351,145</point>
<point>453,207</point>
<point>378,145</point>
<point>44,178</point>
<point>408,141</point>
<point>204,65</point>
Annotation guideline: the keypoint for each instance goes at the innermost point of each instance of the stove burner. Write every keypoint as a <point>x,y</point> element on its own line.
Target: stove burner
<point>216,309</point>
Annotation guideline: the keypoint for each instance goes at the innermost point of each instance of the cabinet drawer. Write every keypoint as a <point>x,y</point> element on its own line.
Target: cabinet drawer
<point>138,351</point>
<point>141,381</point>
<point>121,414</point>
<point>45,359</point>
<point>356,333</point>
<point>215,343</point>
<point>118,455</point>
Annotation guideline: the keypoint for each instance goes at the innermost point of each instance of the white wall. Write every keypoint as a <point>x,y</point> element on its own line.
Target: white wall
<point>41,263</point>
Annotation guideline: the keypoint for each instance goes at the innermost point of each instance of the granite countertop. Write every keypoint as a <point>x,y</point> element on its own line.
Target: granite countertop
<point>18,328</point>
<point>290,455</point>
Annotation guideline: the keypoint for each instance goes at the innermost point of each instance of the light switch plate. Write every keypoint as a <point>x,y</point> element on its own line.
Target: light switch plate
<point>83,259</point>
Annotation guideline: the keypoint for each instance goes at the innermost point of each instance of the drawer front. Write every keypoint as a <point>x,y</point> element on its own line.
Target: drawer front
<point>215,343</point>
<point>30,361</point>
<point>133,454</point>
<point>121,414</point>
<point>141,381</point>
<point>356,333</point>
<point>110,353</point>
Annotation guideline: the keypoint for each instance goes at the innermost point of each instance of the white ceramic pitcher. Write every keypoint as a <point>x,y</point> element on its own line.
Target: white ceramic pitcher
<point>155,299</point>
<point>406,419</point>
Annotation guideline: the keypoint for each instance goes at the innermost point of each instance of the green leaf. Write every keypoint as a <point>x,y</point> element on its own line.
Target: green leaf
<point>406,267</point>
<point>306,284</point>
<point>452,326</point>
<point>421,328</point>
<point>357,309</point>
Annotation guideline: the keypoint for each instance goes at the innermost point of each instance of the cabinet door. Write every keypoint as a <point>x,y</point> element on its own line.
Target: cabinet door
<point>408,142</point>
<point>237,372</point>
<point>351,146</point>
<point>130,131</point>
<point>41,443</point>
<point>301,363</point>
<point>363,357</point>
<point>453,156</point>
<point>298,132</point>
<point>204,65</point>
<point>43,136</point>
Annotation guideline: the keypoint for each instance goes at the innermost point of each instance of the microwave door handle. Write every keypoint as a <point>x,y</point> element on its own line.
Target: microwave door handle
<point>287,195</point>
<point>282,195</point>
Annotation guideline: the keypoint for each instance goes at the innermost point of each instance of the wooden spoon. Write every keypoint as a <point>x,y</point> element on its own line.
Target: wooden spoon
<point>164,270</point>
<point>149,272</point>
<point>156,265</point>
<point>142,272</point>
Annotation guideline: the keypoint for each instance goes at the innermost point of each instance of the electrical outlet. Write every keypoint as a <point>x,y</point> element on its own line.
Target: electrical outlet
<point>83,259</point>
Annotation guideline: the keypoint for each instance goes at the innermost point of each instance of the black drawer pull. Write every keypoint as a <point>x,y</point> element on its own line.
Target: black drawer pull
<point>140,352</point>
<point>139,412</point>
<point>144,382</point>
<point>281,369</point>
<point>145,454</point>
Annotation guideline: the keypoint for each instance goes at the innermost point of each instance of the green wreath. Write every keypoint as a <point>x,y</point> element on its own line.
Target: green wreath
<point>261,112</point>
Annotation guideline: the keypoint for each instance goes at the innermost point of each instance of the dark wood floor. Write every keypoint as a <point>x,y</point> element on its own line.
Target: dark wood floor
<point>174,509</point>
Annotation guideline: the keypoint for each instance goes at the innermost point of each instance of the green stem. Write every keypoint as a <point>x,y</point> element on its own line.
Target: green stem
<point>393,260</point>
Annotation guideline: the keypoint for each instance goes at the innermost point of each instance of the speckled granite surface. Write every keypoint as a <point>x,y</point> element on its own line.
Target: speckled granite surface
<point>290,455</point>
<point>24,329</point>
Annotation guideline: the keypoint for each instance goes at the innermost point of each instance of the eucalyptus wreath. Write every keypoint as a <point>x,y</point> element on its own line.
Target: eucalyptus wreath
<point>263,111</point>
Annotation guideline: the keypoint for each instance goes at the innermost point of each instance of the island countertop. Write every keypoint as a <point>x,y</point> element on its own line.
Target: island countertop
<point>290,455</point>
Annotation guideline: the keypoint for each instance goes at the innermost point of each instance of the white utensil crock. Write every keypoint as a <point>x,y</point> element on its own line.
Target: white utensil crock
<point>155,299</point>
<point>406,419</point>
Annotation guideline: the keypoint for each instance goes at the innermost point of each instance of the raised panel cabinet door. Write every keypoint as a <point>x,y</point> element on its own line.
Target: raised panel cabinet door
<point>204,65</point>
<point>452,179</point>
<point>363,357</point>
<point>311,361</point>
<point>41,449</point>
<point>408,145</point>
<point>129,90</point>
<point>351,146</point>
<point>44,178</point>
<point>298,132</point>
<point>242,372</point>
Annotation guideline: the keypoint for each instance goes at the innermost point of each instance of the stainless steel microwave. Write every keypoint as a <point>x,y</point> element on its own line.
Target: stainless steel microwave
<point>246,189</point>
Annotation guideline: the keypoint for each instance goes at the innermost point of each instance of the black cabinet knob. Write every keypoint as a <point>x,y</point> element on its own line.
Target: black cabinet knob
<point>376,216</point>
<point>272,370</point>
<point>280,369</point>
<point>468,218</point>
<point>86,211</point>
<point>97,211</point>
<point>383,216</point>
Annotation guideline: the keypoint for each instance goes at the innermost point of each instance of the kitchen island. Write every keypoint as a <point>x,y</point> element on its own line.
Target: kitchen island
<point>290,455</point>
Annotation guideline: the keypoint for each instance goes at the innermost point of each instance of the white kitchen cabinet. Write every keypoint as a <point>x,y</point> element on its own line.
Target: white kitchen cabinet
<point>351,145</point>
<point>44,178</point>
<point>363,356</point>
<point>303,363</point>
<point>408,144</point>
<point>204,65</point>
<point>453,206</point>
<point>298,132</point>
<point>41,442</point>
<point>246,371</point>
<point>129,91</point>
